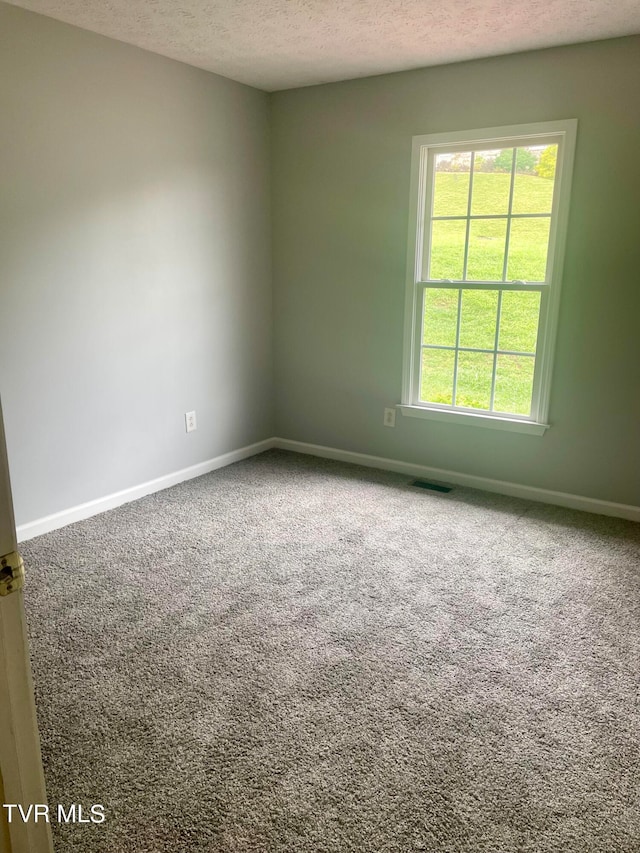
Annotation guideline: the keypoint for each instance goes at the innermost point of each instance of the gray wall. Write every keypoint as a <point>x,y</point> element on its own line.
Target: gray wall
<point>341,162</point>
<point>134,263</point>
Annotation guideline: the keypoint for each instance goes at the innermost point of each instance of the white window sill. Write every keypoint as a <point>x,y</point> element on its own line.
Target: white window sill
<point>473,419</point>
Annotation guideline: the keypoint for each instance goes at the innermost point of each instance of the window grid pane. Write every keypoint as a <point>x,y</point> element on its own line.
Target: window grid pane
<point>492,189</point>
<point>451,179</point>
<point>528,246</point>
<point>446,258</point>
<point>474,380</point>
<point>436,376</point>
<point>477,373</point>
<point>440,317</point>
<point>534,184</point>
<point>478,319</point>
<point>514,384</point>
<point>481,255</point>
<point>486,249</point>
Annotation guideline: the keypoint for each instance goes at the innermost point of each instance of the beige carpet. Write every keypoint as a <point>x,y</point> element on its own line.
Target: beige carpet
<point>298,655</point>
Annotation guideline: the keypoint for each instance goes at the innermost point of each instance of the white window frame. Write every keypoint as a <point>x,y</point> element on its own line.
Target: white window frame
<point>421,199</point>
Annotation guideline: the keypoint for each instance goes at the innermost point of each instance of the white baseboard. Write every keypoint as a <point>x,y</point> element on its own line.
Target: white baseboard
<point>503,487</point>
<point>86,510</point>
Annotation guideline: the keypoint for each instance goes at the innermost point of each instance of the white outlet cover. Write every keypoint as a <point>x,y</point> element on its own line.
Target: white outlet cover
<point>190,421</point>
<point>389,417</point>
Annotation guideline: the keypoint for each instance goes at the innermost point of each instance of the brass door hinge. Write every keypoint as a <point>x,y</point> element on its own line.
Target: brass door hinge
<point>11,573</point>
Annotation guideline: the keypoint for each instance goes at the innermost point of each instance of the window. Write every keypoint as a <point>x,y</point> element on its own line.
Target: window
<point>489,212</point>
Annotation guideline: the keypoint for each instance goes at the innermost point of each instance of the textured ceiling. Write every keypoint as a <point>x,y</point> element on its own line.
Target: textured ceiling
<point>280,44</point>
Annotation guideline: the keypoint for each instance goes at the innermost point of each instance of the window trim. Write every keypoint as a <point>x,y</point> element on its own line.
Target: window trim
<point>564,132</point>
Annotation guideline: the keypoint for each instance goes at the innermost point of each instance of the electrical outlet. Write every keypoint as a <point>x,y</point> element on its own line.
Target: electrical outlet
<point>389,417</point>
<point>190,421</point>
